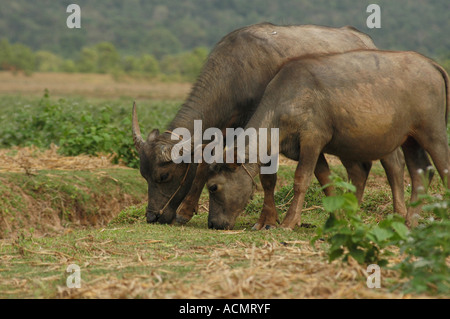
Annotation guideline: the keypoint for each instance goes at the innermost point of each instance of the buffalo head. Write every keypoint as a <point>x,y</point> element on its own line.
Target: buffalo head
<point>168,183</point>
<point>230,188</point>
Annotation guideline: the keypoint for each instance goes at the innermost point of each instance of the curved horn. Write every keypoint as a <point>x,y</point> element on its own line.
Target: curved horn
<point>137,137</point>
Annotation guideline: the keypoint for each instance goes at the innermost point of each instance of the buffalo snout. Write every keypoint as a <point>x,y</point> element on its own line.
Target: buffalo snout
<point>220,225</point>
<point>152,217</point>
<point>220,222</point>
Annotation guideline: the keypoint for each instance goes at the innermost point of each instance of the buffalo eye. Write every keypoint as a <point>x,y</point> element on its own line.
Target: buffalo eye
<point>164,177</point>
<point>212,188</point>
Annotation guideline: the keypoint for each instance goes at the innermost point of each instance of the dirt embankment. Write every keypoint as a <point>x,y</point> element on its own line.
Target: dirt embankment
<point>42,191</point>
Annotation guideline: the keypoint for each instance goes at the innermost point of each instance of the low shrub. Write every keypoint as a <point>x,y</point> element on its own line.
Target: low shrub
<point>425,249</point>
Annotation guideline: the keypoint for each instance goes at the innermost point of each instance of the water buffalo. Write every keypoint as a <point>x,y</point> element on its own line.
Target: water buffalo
<point>226,94</point>
<point>358,105</point>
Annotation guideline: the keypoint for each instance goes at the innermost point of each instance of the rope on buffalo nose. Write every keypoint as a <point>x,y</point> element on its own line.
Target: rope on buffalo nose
<point>179,187</point>
<point>161,211</point>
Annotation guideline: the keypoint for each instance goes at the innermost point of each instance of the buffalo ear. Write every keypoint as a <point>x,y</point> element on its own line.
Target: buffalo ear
<point>153,134</point>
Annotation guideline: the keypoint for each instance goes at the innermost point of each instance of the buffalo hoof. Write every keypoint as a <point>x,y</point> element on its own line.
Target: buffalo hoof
<point>181,220</point>
<point>185,212</point>
<point>258,226</point>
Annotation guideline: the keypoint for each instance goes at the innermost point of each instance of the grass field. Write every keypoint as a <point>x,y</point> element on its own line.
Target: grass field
<point>93,216</point>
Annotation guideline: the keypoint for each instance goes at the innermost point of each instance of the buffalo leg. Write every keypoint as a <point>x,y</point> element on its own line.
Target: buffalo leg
<point>357,174</point>
<point>269,216</point>
<point>431,137</point>
<point>413,153</point>
<point>393,165</point>
<point>309,154</point>
<point>441,159</point>
<point>434,141</point>
<point>322,173</point>
<point>190,203</point>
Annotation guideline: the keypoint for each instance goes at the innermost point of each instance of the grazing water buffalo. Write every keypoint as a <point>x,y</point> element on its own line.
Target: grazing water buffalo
<point>358,105</point>
<point>225,95</point>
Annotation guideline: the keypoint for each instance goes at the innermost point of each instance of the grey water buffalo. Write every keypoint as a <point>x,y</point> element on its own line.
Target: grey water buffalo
<point>226,95</point>
<point>360,106</point>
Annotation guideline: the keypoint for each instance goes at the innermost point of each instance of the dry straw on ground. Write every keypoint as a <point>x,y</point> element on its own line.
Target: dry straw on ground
<point>31,159</point>
<point>275,270</point>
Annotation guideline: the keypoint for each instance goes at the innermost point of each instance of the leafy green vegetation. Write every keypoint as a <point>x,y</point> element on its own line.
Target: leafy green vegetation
<point>426,247</point>
<point>349,236</point>
<point>78,127</point>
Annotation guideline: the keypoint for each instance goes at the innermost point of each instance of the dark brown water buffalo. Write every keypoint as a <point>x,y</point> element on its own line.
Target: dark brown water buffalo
<point>358,105</point>
<point>226,94</point>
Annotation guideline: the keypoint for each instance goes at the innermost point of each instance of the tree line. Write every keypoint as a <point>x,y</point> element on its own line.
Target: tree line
<point>103,58</point>
<point>162,27</point>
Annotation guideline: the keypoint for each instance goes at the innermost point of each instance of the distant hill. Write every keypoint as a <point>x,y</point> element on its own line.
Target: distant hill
<point>164,27</point>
